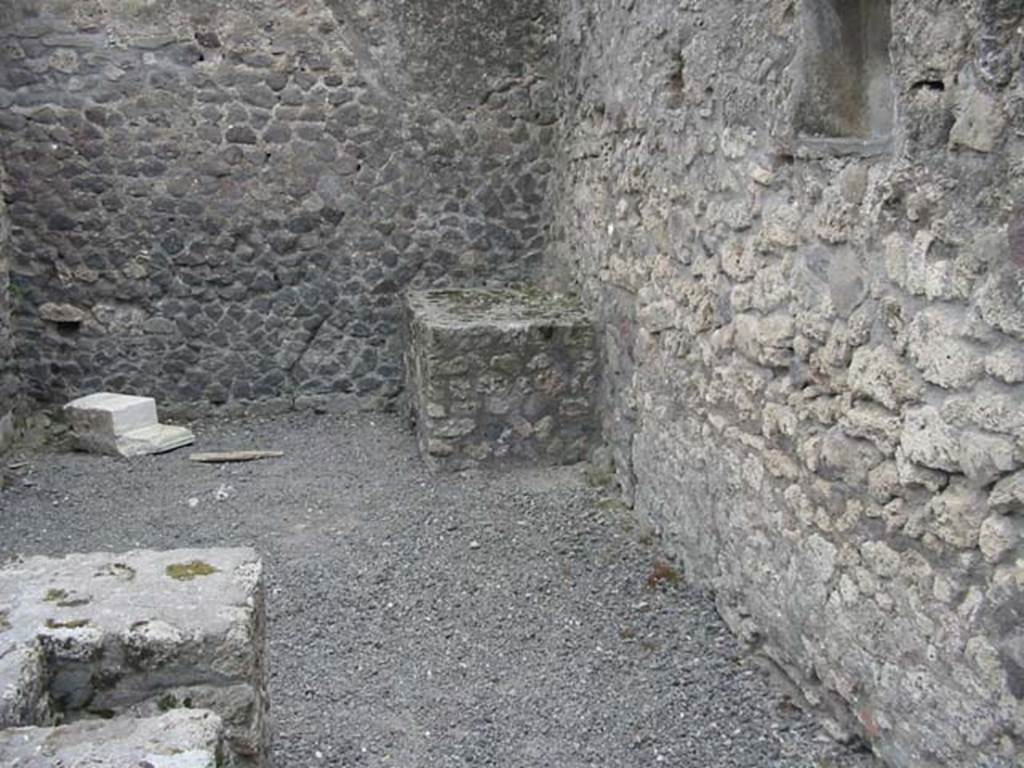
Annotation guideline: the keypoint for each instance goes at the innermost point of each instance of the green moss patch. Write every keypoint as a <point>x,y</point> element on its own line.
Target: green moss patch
<point>189,571</point>
<point>73,624</point>
<point>65,600</point>
<point>118,571</point>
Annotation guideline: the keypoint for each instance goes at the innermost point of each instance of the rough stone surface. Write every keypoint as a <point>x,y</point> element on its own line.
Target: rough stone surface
<point>8,387</point>
<point>811,335</point>
<point>133,635</point>
<point>233,197</point>
<point>500,375</point>
<point>178,739</point>
<point>110,414</point>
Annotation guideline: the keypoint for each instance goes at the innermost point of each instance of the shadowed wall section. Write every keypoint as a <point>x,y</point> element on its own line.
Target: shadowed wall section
<point>8,387</point>
<point>221,203</point>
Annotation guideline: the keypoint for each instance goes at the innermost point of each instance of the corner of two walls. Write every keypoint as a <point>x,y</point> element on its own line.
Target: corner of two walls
<point>223,203</point>
<point>809,273</point>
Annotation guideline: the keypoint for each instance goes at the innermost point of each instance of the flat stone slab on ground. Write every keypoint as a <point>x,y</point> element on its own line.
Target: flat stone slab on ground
<point>500,375</point>
<point>122,425</point>
<point>159,438</point>
<point>136,634</point>
<point>177,739</point>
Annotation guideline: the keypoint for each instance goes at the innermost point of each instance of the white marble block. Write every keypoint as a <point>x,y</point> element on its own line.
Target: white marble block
<point>122,425</point>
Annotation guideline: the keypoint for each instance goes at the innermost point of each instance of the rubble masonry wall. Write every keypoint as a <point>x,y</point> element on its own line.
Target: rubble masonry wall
<point>802,227</point>
<point>8,388</point>
<point>223,202</point>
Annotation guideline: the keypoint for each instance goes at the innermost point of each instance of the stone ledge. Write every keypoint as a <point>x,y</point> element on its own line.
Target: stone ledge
<point>138,633</point>
<point>179,739</point>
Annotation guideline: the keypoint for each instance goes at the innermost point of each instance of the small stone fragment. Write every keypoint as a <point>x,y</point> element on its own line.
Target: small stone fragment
<point>1008,494</point>
<point>998,536</point>
<point>62,313</point>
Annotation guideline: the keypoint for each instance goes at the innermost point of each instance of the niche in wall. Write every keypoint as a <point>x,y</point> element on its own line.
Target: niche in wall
<point>844,88</point>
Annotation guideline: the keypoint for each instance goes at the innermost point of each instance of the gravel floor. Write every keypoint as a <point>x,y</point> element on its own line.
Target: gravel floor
<point>500,618</point>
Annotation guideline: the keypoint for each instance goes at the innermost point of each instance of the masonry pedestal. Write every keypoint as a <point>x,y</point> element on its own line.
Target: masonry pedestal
<point>500,376</point>
<point>128,637</point>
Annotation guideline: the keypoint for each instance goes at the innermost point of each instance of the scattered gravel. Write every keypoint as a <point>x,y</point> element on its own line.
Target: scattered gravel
<point>487,618</point>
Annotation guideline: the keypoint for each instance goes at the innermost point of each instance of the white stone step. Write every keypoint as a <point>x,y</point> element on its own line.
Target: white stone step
<point>179,739</point>
<point>158,438</point>
<point>122,425</point>
<point>110,413</point>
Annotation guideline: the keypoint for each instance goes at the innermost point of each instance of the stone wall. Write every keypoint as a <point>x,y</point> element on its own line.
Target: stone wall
<point>8,390</point>
<point>802,227</point>
<point>223,202</point>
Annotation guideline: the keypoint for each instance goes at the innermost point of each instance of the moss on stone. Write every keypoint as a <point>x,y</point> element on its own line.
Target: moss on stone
<point>190,570</point>
<point>118,570</point>
<point>74,602</point>
<point>72,624</point>
<point>63,599</point>
<point>663,574</point>
<point>612,505</point>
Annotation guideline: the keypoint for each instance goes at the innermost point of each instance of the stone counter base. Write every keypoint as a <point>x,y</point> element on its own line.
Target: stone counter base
<point>500,376</point>
<point>178,739</point>
<point>134,635</point>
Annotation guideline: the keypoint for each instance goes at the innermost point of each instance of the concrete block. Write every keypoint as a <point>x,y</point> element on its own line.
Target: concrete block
<point>500,376</point>
<point>122,425</point>
<point>134,635</point>
<point>177,739</point>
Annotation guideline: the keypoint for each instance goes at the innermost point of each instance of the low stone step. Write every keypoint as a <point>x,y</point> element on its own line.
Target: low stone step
<point>122,425</point>
<point>136,634</point>
<point>178,739</point>
<point>159,438</point>
<point>500,375</point>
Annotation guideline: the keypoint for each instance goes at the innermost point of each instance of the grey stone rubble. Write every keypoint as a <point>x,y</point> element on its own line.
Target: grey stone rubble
<point>176,739</point>
<point>500,376</point>
<point>122,425</point>
<point>135,634</point>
